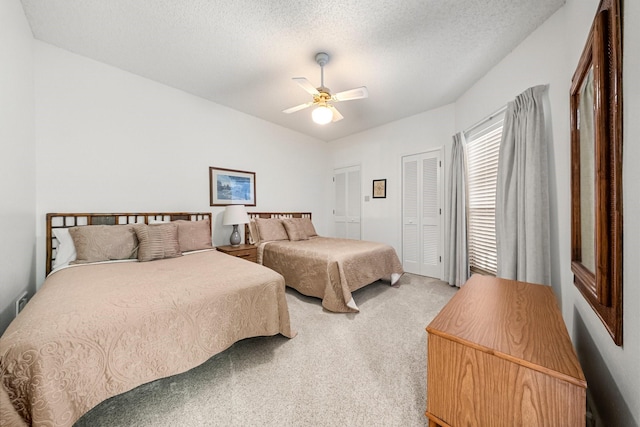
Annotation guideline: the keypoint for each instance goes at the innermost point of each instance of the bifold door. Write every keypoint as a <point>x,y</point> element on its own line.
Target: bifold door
<point>346,214</point>
<point>422,213</point>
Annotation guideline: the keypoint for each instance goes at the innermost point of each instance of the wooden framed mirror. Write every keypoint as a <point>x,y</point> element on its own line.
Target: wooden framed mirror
<point>596,169</point>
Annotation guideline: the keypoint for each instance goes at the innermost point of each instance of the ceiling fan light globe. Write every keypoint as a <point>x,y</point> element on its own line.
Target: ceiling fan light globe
<point>322,115</point>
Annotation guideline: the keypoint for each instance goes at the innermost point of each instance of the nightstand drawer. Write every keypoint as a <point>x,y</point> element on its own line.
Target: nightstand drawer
<point>248,252</point>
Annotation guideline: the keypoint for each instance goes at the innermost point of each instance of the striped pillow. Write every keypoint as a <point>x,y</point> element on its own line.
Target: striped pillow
<point>157,241</point>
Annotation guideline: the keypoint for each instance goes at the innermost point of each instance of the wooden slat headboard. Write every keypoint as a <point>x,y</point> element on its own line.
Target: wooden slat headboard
<point>254,215</point>
<point>66,220</point>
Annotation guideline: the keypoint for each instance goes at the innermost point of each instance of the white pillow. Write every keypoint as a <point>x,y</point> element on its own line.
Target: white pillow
<point>66,251</point>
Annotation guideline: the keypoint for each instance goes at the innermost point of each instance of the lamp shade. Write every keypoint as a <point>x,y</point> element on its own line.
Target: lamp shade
<point>235,214</point>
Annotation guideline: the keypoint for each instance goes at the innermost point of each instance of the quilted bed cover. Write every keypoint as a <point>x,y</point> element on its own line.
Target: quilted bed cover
<point>95,331</point>
<point>331,268</point>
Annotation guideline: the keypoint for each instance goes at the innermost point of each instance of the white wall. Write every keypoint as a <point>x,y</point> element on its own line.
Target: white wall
<point>550,56</point>
<point>111,141</point>
<point>17,163</point>
<point>379,153</point>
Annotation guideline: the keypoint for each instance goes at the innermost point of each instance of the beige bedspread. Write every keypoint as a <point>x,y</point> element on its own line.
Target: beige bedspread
<point>95,331</point>
<point>331,268</point>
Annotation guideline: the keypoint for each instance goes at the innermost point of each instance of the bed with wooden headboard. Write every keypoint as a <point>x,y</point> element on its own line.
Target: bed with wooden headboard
<point>323,267</point>
<point>101,327</point>
<point>57,221</point>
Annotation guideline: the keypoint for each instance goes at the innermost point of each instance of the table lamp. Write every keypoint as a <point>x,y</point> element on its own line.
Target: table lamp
<point>234,215</point>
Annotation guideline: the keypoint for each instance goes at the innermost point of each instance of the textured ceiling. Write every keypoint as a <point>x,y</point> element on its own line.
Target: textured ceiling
<point>413,55</point>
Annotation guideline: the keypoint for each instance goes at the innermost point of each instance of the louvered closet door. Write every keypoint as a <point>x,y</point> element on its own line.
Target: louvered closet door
<point>410,241</point>
<point>430,224</point>
<point>346,213</point>
<point>421,214</point>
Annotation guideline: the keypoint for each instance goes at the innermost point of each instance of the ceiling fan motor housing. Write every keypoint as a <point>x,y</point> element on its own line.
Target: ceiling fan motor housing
<point>323,97</point>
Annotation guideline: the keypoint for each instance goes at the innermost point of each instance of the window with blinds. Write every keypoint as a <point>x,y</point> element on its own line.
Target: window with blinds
<point>482,149</point>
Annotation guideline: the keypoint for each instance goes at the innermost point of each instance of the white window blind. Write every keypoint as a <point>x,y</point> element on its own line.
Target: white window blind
<point>482,150</point>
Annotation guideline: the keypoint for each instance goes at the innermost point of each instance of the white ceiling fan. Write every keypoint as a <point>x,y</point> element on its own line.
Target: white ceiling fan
<point>325,111</point>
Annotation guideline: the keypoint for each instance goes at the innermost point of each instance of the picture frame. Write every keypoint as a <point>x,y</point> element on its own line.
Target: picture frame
<point>596,169</point>
<point>231,187</point>
<point>379,189</point>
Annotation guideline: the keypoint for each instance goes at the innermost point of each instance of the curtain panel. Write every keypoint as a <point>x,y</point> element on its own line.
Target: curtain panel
<point>522,195</point>
<point>457,259</point>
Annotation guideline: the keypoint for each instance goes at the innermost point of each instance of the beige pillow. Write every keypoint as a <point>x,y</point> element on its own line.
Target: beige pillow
<point>157,241</point>
<point>307,226</point>
<point>254,237</point>
<point>194,235</point>
<point>96,243</point>
<point>271,229</point>
<point>294,229</point>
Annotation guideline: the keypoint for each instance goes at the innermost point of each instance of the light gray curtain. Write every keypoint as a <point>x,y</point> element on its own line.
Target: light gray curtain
<point>457,259</point>
<point>522,195</point>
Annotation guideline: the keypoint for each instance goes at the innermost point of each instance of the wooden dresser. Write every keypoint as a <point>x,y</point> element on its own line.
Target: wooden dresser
<point>499,355</point>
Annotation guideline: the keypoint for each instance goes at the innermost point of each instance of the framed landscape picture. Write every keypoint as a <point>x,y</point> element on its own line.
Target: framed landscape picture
<point>379,188</point>
<point>231,187</point>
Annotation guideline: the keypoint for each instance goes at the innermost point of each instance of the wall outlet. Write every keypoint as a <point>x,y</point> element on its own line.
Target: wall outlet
<point>21,302</point>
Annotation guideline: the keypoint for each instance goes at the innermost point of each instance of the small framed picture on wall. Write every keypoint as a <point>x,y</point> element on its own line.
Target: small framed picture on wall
<point>379,188</point>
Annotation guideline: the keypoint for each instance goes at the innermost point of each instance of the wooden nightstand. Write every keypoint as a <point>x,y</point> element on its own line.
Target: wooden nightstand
<point>248,252</point>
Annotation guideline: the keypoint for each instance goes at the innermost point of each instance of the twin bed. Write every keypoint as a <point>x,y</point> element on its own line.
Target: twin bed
<point>106,321</point>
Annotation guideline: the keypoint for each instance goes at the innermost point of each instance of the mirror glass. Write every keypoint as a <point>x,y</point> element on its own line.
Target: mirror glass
<point>587,172</point>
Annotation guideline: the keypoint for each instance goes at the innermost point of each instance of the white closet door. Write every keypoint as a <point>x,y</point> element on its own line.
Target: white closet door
<point>430,265</point>
<point>421,214</point>
<point>340,210</point>
<point>347,192</point>
<point>410,241</point>
<point>353,204</point>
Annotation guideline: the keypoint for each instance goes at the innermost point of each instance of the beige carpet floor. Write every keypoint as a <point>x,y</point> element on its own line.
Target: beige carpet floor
<point>364,369</point>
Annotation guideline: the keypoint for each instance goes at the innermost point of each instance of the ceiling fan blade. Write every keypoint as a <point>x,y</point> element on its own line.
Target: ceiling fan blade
<point>348,95</point>
<point>306,85</point>
<point>298,107</point>
<point>336,114</point>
